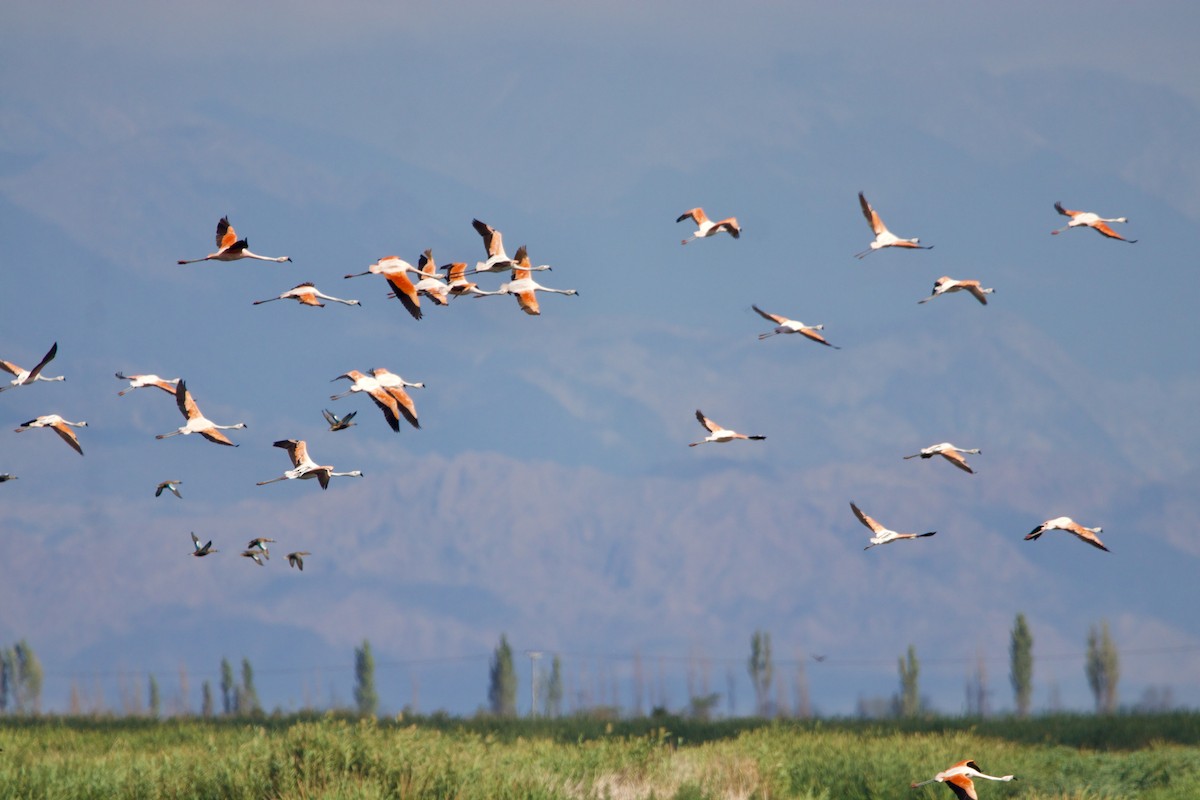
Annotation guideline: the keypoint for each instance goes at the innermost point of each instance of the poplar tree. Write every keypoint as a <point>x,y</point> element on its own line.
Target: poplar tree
<point>910,692</point>
<point>1103,668</point>
<point>761,670</point>
<point>248,695</point>
<point>228,688</point>
<point>206,700</point>
<point>1020,652</point>
<point>155,702</point>
<point>502,683</point>
<point>365,696</point>
<point>554,688</point>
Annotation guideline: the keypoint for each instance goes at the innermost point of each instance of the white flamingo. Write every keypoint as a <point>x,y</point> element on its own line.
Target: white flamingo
<point>307,294</point>
<point>379,395</point>
<point>523,287</point>
<point>493,245</point>
<point>949,452</point>
<point>883,535</point>
<point>958,779</point>
<point>1070,526</point>
<point>883,237</point>
<point>144,381</point>
<point>304,468</point>
<point>395,386</point>
<point>231,248</point>
<point>59,425</point>
<point>1090,220</point>
<point>431,284</point>
<point>197,422</point>
<point>25,377</point>
<point>785,325</point>
<point>716,433</point>
<point>705,227</point>
<point>395,271</point>
<point>946,285</point>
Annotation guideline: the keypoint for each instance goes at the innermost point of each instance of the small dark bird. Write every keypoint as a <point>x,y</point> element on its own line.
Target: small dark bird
<point>202,551</point>
<point>337,423</point>
<point>295,559</point>
<point>253,554</point>
<point>169,486</point>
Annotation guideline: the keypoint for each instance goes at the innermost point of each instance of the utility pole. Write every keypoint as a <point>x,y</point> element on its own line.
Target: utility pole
<point>534,656</point>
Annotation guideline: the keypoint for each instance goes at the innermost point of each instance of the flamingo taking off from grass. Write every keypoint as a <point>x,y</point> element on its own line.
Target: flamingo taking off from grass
<point>371,387</point>
<point>883,535</point>
<point>718,434</point>
<point>394,270</point>
<point>297,559</point>
<point>307,294</point>
<point>303,467</point>
<point>59,425</point>
<point>1070,526</point>
<point>24,377</point>
<point>197,422</point>
<point>949,452</point>
<point>231,248</point>
<point>705,227</point>
<point>958,779</point>
<point>170,486</point>
<point>200,551</point>
<point>523,287</point>
<point>143,381</point>
<point>883,237</point>
<point>785,325</point>
<point>1088,219</point>
<point>946,284</point>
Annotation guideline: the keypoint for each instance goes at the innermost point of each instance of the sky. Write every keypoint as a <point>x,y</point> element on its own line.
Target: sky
<point>549,495</point>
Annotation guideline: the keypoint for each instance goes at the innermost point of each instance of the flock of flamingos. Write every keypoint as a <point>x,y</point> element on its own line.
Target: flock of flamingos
<point>388,390</point>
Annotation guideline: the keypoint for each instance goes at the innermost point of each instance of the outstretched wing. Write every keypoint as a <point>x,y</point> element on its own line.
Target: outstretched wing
<point>776,318</point>
<point>865,520</point>
<point>50,354</point>
<point>493,242</point>
<point>872,218</point>
<point>226,235</point>
<point>708,424</point>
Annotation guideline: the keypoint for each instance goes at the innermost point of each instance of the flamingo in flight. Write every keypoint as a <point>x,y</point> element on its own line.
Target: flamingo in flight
<point>297,559</point>
<point>493,245</point>
<point>785,325</point>
<point>718,434</point>
<point>456,273</point>
<point>372,388</point>
<point>394,385</point>
<point>200,551</point>
<point>883,535</point>
<point>170,486</point>
<point>197,422</point>
<point>431,284</point>
<point>883,237</point>
<point>1088,219</point>
<point>958,779</point>
<point>705,227</point>
<point>143,381</point>
<point>1070,526</point>
<point>946,285</point>
<point>59,425</point>
<point>304,468</point>
<point>949,452</point>
<point>394,270</point>
<point>523,287</point>
<point>231,248</point>
<point>307,294</point>
<point>25,377</point>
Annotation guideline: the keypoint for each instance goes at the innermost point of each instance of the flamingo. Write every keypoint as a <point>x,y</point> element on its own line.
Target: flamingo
<point>297,559</point>
<point>1070,526</point>
<point>394,269</point>
<point>883,237</point>
<point>371,387</point>
<point>304,467</point>
<point>199,551</point>
<point>493,244</point>
<point>958,779</point>
<point>170,486</point>
<point>257,558</point>
<point>24,377</point>
<point>1090,220</point>
<point>197,422</point>
<point>59,425</point>
<point>705,227</point>
<point>308,295</point>
<point>946,284</point>
<point>718,434</point>
<point>431,284</point>
<point>785,325</point>
<point>231,248</point>
<point>458,283</point>
<point>949,452</point>
<point>143,381</point>
<point>337,423</point>
<point>523,287</point>
<point>395,385</point>
<point>882,534</point>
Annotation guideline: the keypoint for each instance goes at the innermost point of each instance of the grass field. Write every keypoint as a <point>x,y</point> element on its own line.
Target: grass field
<point>1076,757</point>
